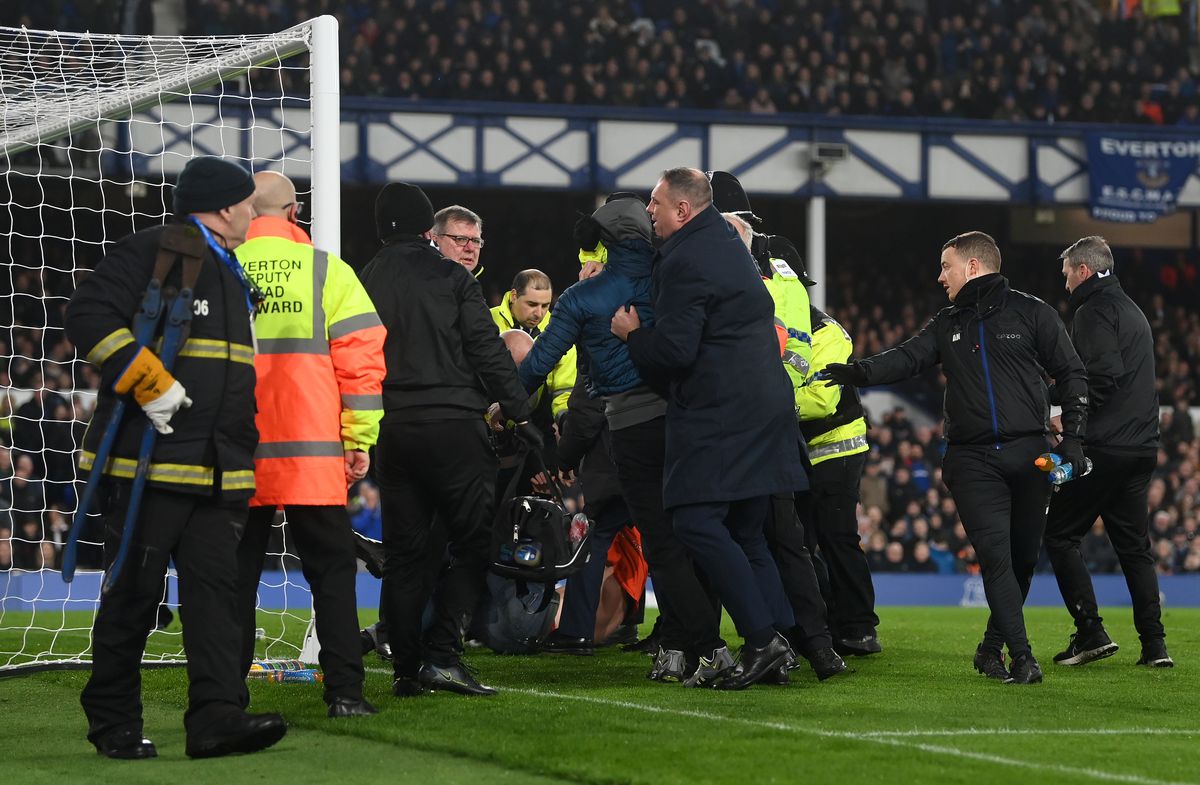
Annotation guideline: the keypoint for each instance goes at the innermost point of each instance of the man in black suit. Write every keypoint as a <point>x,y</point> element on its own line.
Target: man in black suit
<point>732,438</point>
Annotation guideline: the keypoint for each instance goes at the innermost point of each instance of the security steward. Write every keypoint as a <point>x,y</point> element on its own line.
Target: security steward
<point>201,472</point>
<point>526,307</point>
<point>1115,342</point>
<point>994,344</point>
<point>320,375</point>
<point>445,364</point>
<point>786,535</point>
<point>834,425</point>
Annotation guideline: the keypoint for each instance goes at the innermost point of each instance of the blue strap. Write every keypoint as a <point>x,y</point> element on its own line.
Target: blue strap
<point>227,259</point>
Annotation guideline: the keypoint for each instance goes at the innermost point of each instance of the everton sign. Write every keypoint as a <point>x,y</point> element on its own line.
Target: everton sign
<point>1137,179</point>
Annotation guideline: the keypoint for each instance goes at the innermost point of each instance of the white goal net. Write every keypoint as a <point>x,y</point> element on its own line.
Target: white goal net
<point>93,130</point>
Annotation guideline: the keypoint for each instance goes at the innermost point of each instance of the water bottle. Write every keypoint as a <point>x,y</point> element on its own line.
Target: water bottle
<point>1065,472</point>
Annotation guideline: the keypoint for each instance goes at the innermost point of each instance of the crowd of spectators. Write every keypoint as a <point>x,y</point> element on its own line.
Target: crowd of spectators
<point>1054,60</point>
<point>908,522</point>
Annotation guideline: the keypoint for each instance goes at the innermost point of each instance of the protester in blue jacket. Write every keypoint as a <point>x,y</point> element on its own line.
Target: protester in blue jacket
<point>691,650</point>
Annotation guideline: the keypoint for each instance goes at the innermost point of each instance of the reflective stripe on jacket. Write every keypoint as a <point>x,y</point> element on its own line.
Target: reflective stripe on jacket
<point>818,401</point>
<point>211,449</point>
<point>793,323</point>
<point>320,367</point>
<point>561,380</point>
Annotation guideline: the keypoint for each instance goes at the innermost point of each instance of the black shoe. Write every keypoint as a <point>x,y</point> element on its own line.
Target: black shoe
<point>780,677</point>
<point>857,647</point>
<point>1154,655</point>
<point>241,733</point>
<point>1025,670</point>
<point>455,678</point>
<point>407,687</point>
<point>671,665</point>
<point>648,645</point>
<point>826,663</point>
<point>126,745</point>
<point>371,641</point>
<point>1087,647</point>
<point>624,635</point>
<point>351,707</point>
<point>756,664</point>
<point>563,644</point>
<point>990,663</point>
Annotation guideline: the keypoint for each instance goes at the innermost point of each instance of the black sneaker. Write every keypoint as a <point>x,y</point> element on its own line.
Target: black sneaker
<point>1087,647</point>
<point>711,668</point>
<point>455,678</point>
<point>1154,655</point>
<point>1025,670</point>
<point>670,665</point>
<point>990,663</point>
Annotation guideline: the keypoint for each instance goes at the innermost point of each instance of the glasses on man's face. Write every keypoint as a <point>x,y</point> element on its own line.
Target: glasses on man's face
<point>298,205</point>
<point>461,240</point>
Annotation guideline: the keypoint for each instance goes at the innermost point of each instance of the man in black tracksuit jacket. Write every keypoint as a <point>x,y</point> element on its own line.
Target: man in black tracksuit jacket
<point>1115,343</point>
<point>995,346</point>
<point>445,364</point>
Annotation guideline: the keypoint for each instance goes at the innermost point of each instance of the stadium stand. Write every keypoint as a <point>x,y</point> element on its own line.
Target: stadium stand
<point>1014,60</point>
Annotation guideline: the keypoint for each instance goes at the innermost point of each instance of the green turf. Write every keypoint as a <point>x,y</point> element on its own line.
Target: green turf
<point>916,713</point>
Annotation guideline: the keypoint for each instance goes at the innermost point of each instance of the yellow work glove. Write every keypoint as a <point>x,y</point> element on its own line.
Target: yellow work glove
<point>154,389</point>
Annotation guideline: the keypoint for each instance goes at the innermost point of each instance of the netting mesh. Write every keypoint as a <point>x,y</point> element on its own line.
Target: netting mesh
<point>92,131</point>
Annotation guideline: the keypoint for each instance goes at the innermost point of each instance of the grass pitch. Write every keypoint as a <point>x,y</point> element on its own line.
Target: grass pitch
<point>917,713</point>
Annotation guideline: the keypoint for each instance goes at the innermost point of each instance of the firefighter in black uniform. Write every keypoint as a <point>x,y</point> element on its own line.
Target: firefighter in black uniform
<point>445,364</point>
<point>201,474</point>
<point>1115,343</point>
<point>995,345</point>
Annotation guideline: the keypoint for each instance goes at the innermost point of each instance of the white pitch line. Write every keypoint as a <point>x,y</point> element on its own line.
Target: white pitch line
<point>890,741</point>
<point>917,732</point>
<point>896,738</point>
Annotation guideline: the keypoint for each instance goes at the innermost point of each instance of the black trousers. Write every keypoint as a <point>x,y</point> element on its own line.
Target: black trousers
<point>582,596</point>
<point>1114,491</point>
<point>1002,499</point>
<point>201,533</point>
<point>829,514</point>
<point>728,541</point>
<point>691,618</point>
<point>326,548</point>
<point>438,473</point>
<point>785,538</point>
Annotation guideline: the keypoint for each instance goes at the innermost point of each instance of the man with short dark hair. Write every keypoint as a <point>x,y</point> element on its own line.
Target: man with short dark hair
<point>732,436</point>
<point>458,233</point>
<point>994,345</point>
<point>1115,342</point>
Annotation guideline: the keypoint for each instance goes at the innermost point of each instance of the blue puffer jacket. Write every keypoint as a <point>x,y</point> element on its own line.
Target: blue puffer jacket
<point>582,316</point>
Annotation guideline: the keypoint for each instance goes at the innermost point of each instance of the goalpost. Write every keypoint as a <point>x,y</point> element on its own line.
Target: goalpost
<point>93,130</point>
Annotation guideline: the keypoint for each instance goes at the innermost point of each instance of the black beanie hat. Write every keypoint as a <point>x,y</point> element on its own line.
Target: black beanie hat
<point>208,183</point>
<point>402,208</point>
<point>730,197</point>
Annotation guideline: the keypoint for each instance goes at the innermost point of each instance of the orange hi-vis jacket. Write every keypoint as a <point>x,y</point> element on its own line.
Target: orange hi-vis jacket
<point>319,364</point>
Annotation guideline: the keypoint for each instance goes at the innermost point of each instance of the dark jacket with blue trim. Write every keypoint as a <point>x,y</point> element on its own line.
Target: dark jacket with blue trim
<point>996,346</point>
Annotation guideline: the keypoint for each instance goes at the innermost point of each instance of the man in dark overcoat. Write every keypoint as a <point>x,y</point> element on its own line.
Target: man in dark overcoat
<point>732,438</point>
